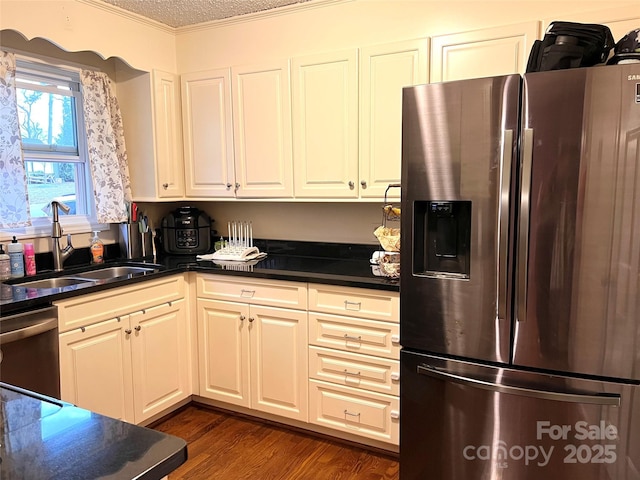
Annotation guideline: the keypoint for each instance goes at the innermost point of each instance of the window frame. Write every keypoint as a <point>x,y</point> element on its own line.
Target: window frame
<point>41,226</point>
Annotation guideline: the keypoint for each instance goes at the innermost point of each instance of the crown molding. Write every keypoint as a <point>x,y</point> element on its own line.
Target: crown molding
<point>126,14</point>
<point>285,10</point>
<point>275,12</point>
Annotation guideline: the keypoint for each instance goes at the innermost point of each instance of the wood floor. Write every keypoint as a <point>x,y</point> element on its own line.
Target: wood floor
<point>230,447</point>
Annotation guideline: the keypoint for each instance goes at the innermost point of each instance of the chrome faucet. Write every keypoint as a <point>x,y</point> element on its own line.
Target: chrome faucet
<point>59,255</point>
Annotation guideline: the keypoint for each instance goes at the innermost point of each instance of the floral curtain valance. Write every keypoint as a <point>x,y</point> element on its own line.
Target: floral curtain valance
<point>107,152</point>
<point>14,206</point>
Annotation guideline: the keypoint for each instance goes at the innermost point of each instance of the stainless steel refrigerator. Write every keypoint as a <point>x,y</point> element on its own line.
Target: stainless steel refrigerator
<point>520,277</point>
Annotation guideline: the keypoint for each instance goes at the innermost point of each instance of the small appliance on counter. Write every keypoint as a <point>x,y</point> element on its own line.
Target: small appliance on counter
<point>186,230</point>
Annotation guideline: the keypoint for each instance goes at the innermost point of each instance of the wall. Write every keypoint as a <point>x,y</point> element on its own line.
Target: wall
<point>89,25</point>
<point>319,26</point>
<point>357,23</point>
<point>327,222</point>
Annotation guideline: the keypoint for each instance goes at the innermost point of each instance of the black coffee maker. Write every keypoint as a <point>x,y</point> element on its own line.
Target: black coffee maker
<point>186,230</point>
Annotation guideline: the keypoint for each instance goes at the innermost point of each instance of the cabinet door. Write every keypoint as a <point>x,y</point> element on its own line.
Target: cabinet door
<point>384,71</point>
<point>325,125</point>
<point>161,356</point>
<point>168,135</point>
<point>223,351</point>
<point>482,53</point>
<point>95,368</point>
<point>262,130</point>
<point>208,134</point>
<point>279,361</point>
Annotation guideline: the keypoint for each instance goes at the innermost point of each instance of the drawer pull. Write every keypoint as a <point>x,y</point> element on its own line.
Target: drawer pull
<point>395,414</point>
<point>395,376</point>
<point>347,413</point>
<point>354,306</point>
<point>82,329</point>
<point>247,293</point>
<point>355,374</point>
<point>352,338</point>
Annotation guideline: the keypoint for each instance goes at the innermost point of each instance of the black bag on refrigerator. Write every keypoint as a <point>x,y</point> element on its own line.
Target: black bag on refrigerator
<point>570,45</point>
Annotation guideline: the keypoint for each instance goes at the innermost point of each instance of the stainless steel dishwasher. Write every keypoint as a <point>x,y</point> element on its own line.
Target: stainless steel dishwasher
<point>29,351</point>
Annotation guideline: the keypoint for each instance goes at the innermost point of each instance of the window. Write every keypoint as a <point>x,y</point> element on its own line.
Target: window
<point>55,155</point>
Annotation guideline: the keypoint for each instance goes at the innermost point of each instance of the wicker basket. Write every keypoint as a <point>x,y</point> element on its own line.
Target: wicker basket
<point>388,237</point>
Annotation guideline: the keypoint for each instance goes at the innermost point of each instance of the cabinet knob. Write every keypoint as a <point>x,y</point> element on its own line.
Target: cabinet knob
<point>251,319</point>
<point>395,376</point>
<point>395,338</point>
<point>363,183</point>
<point>229,186</point>
<point>237,186</point>
<point>352,185</point>
<point>165,185</point>
<point>128,331</point>
<point>242,317</point>
<point>395,414</point>
<point>138,328</point>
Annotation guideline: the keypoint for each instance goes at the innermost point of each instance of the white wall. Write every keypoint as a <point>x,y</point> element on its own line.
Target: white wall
<point>79,25</point>
<point>318,26</point>
<point>357,23</point>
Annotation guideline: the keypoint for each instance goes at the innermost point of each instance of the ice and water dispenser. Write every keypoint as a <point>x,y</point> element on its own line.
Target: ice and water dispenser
<point>442,238</point>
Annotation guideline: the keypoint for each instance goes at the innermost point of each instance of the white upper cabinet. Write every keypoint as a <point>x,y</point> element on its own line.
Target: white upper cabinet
<point>262,130</point>
<point>150,106</point>
<point>482,53</point>
<point>325,125</point>
<point>168,135</point>
<point>384,71</point>
<point>208,134</point>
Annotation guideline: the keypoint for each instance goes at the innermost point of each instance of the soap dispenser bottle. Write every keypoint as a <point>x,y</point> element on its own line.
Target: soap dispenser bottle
<point>97,249</point>
<point>16,258</point>
<point>5,265</point>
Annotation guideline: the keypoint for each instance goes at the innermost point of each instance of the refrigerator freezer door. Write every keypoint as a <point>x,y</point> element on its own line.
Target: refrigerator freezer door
<point>472,422</point>
<point>458,153</point>
<point>578,278</point>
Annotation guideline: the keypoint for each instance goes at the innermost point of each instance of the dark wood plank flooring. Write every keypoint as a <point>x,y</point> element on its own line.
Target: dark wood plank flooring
<point>230,447</point>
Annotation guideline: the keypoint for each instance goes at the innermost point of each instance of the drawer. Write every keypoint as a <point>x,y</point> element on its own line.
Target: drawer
<point>272,293</point>
<point>368,414</point>
<point>355,335</point>
<point>92,308</point>
<point>354,370</point>
<point>356,302</point>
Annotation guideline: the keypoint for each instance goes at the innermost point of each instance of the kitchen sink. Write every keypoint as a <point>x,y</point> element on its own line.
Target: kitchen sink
<point>58,282</point>
<point>113,272</point>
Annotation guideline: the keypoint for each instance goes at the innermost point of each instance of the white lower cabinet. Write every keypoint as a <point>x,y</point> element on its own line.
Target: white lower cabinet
<point>132,365</point>
<point>354,367</point>
<point>250,355</point>
<point>355,411</point>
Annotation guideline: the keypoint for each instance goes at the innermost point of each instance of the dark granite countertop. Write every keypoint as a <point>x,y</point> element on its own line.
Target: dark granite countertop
<point>336,264</point>
<point>45,438</point>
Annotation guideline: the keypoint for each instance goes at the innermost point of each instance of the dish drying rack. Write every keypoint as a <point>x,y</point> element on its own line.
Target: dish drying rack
<point>388,261</point>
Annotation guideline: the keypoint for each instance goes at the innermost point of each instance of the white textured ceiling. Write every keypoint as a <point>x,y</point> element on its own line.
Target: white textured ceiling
<point>180,13</point>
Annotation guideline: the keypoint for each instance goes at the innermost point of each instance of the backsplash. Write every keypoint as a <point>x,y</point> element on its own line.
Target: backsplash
<point>349,223</point>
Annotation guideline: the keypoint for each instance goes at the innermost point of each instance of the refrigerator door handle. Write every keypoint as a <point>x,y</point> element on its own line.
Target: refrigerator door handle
<point>503,226</point>
<point>602,399</point>
<point>523,228</point>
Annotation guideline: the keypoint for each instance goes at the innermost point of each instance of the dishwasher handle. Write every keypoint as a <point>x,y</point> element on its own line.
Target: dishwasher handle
<point>29,331</point>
